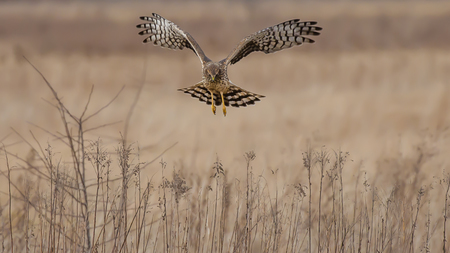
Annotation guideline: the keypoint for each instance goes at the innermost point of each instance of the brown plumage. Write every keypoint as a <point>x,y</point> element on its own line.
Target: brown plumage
<point>215,87</point>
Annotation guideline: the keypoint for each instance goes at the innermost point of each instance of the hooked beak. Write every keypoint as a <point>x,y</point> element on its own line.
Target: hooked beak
<point>213,77</point>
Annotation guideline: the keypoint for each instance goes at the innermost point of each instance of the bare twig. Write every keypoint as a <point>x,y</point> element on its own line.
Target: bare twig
<point>308,164</point>
<point>133,105</point>
<point>105,106</point>
<point>414,224</point>
<point>10,199</point>
<point>444,241</point>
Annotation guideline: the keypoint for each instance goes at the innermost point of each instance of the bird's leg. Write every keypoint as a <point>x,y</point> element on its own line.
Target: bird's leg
<point>223,105</point>
<point>213,107</point>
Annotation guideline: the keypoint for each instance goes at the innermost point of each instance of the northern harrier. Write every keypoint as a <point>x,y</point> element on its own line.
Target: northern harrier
<point>215,87</point>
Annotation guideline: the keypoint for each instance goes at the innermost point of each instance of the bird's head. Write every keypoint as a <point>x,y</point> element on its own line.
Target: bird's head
<point>213,72</point>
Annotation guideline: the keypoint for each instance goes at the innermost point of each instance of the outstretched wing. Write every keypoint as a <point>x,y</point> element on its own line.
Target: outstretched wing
<point>165,33</point>
<point>272,39</point>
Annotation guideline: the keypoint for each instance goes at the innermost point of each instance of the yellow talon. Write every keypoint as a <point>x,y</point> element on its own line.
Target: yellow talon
<point>213,107</point>
<point>224,109</point>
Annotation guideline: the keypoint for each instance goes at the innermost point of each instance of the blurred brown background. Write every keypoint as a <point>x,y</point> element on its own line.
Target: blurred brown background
<point>374,84</point>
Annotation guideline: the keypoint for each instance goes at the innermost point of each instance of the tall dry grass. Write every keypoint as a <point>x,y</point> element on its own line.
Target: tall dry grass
<point>118,210</point>
<point>347,153</point>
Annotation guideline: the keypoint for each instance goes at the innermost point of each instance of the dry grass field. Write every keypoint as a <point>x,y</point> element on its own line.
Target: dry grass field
<point>352,141</point>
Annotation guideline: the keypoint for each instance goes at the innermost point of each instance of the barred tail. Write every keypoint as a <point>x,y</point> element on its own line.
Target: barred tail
<point>235,96</point>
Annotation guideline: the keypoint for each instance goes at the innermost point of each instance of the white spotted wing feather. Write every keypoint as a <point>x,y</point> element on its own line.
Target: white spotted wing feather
<point>165,33</point>
<point>272,39</point>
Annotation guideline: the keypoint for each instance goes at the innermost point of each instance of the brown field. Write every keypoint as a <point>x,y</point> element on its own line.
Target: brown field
<point>375,84</point>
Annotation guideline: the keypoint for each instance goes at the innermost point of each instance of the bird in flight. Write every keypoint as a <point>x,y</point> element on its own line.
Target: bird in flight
<point>215,88</point>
